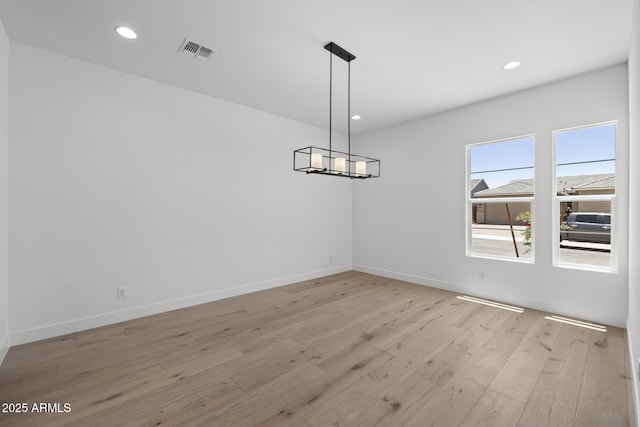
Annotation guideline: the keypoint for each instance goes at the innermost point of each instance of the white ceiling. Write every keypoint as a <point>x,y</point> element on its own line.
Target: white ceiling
<point>414,57</point>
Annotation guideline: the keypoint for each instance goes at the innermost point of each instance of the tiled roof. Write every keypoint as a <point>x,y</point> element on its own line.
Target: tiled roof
<point>524,186</point>
<point>608,181</point>
<point>565,184</point>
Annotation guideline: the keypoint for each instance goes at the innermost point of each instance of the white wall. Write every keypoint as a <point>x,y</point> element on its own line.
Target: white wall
<point>411,223</point>
<point>633,327</point>
<point>4,194</point>
<point>120,181</point>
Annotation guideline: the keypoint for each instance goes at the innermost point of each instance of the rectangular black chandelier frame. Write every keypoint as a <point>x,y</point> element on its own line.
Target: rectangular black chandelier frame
<point>320,160</point>
<point>332,162</point>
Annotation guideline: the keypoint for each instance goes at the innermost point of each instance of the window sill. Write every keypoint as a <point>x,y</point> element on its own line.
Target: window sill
<point>501,258</point>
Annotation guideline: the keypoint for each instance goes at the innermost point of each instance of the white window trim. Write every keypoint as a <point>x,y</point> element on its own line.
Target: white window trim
<point>557,200</point>
<point>470,201</point>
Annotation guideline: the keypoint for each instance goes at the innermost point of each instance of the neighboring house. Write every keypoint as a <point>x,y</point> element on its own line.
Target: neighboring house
<point>476,185</point>
<point>587,185</point>
<point>496,213</point>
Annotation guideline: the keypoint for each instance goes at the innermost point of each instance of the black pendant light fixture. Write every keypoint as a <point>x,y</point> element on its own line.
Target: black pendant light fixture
<point>329,161</point>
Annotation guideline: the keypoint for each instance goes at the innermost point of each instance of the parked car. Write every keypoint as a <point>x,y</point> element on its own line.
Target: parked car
<point>587,227</point>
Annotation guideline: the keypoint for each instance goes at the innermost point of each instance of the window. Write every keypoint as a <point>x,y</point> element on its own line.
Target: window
<point>585,197</point>
<point>500,199</point>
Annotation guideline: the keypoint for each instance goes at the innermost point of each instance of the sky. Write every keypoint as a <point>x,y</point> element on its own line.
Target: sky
<point>576,145</point>
<point>513,153</point>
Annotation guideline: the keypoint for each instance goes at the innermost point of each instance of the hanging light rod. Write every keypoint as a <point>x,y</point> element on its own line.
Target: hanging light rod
<point>329,161</point>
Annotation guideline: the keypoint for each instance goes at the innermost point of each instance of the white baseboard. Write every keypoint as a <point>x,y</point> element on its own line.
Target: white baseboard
<point>542,305</point>
<point>634,376</point>
<point>4,348</point>
<point>76,325</point>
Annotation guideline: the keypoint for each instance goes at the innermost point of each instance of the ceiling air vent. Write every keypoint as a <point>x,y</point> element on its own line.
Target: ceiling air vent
<point>196,50</point>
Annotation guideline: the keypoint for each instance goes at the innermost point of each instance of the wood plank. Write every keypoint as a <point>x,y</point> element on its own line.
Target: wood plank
<point>511,333</point>
<point>286,402</point>
<point>354,401</point>
<point>326,280</point>
<point>425,342</point>
<point>494,410</point>
<point>71,384</point>
<point>260,367</point>
<point>460,394</point>
<point>178,402</point>
<point>446,362</point>
<point>629,366</point>
<point>254,407</point>
<point>520,373</point>
<point>280,307</point>
<point>332,318</point>
<point>104,393</point>
<point>433,309</point>
<point>461,359</point>
<point>396,403</point>
<point>351,349</point>
<point>555,396</point>
<point>603,395</point>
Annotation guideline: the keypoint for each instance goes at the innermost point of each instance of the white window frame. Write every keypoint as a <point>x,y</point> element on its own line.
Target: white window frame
<point>557,201</point>
<point>502,200</point>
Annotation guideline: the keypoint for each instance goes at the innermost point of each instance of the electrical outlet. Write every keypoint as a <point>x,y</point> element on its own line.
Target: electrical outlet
<point>122,293</point>
<point>481,275</point>
<point>330,258</point>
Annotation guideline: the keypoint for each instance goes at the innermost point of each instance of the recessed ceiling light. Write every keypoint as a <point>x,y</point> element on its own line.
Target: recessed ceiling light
<point>511,65</point>
<point>355,117</point>
<point>126,32</point>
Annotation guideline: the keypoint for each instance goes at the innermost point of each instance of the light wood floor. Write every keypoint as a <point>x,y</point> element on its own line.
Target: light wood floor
<point>350,349</point>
